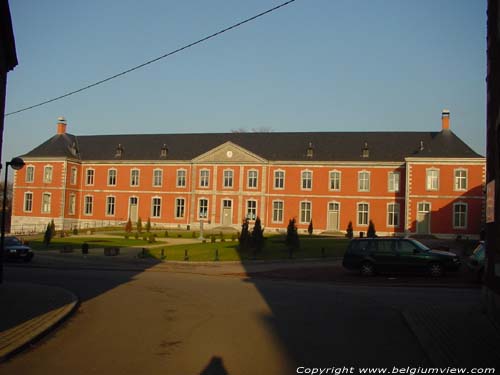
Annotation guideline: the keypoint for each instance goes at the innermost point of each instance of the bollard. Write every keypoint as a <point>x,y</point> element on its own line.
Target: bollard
<point>186,257</point>
<point>216,255</point>
<point>322,252</point>
<point>85,248</point>
<point>163,254</point>
<point>144,252</point>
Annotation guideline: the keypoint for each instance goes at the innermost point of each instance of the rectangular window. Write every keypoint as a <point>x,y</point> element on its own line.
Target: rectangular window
<point>181,178</point>
<point>89,205</point>
<point>72,204</point>
<point>432,179</point>
<point>252,179</point>
<point>47,174</point>
<point>134,177</point>
<point>157,177</point>
<point>305,212</point>
<point>228,178</point>
<point>277,211</point>
<point>28,202</point>
<point>306,177</point>
<point>460,179</point>
<point>73,175</point>
<point>393,182</point>
<point>30,173</point>
<point>110,206</point>
<point>335,180</point>
<point>460,215</point>
<point>251,210</point>
<point>204,178</point>
<point>363,213</point>
<point>89,180</point>
<point>112,177</point>
<point>393,214</point>
<point>46,198</point>
<point>364,181</point>
<point>203,208</point>
<point>156,207</point>
<point>279,179</point>
<point>179,208</point>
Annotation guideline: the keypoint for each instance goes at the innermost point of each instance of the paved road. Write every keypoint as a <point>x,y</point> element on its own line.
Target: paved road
<point>133,322</point>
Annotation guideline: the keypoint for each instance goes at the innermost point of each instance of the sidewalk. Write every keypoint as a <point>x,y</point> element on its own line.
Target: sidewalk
<point>28,311</point>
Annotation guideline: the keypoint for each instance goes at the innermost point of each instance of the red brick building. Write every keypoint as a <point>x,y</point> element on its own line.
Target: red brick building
<point>405,182</point>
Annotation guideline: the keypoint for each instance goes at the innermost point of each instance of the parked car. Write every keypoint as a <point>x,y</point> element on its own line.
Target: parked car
<point>476,261</point>
<point>15,249</point>
<point>372,255</point>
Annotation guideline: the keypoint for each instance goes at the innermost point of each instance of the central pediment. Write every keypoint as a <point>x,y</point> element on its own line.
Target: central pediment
<point>229,152</point>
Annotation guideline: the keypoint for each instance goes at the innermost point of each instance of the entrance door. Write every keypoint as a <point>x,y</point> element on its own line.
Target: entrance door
<point>423,218</point>
<point>227,212</point>
<point>333,216</point>
<point>132,209</point>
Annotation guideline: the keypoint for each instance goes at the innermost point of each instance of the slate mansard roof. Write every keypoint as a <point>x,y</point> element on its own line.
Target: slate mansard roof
<point>273,146</point>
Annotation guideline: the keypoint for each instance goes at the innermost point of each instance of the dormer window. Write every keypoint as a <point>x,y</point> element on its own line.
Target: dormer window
<point>119,151</point>
<point>421,148</point>
<point>310,151</point>
<point>164,151</point>
<point>366,150</point>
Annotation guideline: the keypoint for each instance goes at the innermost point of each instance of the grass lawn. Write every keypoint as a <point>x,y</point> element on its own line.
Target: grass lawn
<point>93,242</point>
<point>275,248</point>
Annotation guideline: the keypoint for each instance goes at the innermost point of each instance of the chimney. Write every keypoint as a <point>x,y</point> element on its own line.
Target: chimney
<point>445,120</point>
<point>61,125</point>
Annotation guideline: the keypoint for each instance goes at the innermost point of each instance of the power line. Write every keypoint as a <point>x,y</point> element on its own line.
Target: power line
<point>151,61</point>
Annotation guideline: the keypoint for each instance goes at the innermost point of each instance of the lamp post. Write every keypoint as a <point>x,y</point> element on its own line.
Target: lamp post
<point>16,164</point>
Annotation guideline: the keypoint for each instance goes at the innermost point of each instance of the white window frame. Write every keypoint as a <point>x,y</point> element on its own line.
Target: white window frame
<point>73,176</point>
<point>252,179</point>
<point>393,182</point>
<point>358,212</point>
<point>156,203</point>
<point>30,177</point>
<point>205,213</point>
<point>394,213</point>
<point>48,176</point>
<point>89,176</point>
<point>364,181</point>
<point>279,178</point>
<point>72,204</point>
<point>157,177</point>
<point>88,201</point>
<point>228,179</point>
<point>110,204</point>
<point>46,207</point>
<point>306,180</point>
<point>135,177</point>
<point>457,180</point>
<point>305,213</point>
<point>432,179</point>
<point>251,211</point>
<point>25,201</point>
<point>179,206</point>
<point>331,180</point>
<point>465,214</point>
<point>110,182</point>
<point>180,178</point>
<point>278,212</point>
<point>204,178</point>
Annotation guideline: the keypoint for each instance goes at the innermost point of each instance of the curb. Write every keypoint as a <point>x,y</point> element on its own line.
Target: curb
<point>15,339</point>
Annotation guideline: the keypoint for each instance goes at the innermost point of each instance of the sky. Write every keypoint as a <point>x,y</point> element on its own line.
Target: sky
<point>313,65</point>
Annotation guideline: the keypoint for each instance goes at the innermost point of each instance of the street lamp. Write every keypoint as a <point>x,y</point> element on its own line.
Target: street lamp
<point>16,164</point>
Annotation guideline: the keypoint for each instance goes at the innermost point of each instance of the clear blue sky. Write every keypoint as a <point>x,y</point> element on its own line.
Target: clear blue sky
<point>315,65</point>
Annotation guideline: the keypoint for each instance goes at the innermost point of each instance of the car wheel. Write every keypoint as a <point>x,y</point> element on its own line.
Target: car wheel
<point>367,269</point>
<point>436,270</point>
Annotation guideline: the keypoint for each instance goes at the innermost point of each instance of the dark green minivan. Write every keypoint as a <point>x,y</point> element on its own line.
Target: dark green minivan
<point>371,255</point>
